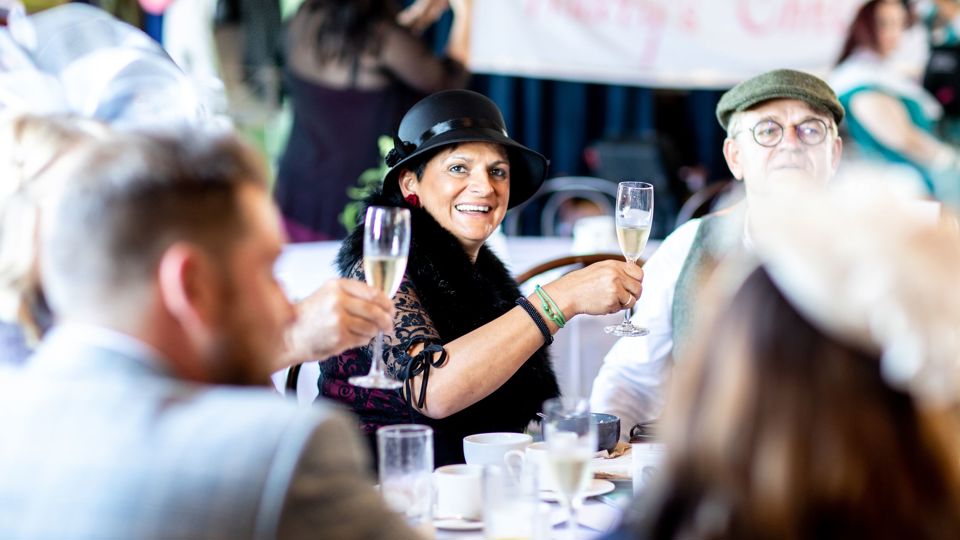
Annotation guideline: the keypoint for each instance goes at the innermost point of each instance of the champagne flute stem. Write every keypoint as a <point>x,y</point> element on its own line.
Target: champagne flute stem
<point>377,366</point>
<point>626,316</point>
<point>572,522</point>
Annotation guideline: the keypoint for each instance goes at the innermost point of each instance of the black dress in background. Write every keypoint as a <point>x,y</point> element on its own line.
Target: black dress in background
<point>332,141</point>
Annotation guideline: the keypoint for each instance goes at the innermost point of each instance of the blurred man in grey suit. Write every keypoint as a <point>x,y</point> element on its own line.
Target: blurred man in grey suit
<point>136,418</point>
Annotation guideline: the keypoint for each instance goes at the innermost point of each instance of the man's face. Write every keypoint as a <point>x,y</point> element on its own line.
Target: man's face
<point>256,312</point>
<point>761,167</point>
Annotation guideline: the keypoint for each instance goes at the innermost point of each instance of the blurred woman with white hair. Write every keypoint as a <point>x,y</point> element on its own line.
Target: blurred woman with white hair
<point>29,144</point>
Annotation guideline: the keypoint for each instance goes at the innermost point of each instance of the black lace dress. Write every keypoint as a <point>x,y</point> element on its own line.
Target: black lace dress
<point>443,296</point>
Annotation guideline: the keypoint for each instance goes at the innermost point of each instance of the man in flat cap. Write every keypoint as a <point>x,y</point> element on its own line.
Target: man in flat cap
<point>780,125</point>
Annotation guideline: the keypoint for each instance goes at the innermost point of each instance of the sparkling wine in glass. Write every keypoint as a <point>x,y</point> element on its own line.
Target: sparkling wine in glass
<point>571,439</point>
<point>386,243</point>
<point>634,218</point>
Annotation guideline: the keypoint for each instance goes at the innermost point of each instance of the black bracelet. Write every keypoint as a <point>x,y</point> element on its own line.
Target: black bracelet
<point>537,318</point>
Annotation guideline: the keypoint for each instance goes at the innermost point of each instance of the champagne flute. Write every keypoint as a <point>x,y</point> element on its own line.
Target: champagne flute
<point>571,438</point>
<point>386,243</point>
<point>634,217</point>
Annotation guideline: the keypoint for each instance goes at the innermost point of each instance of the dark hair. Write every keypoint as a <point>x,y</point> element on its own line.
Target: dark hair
<point>346,29</point>
<point>779,431</point>
<point>863,29</point>
<point>127,199</point>
<point>419,164</point>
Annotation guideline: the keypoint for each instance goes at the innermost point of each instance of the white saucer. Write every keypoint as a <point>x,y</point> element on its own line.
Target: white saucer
<point>596,487</point>
<point>454,524</point>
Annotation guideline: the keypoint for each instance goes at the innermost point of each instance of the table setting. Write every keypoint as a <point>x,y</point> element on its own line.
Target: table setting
<point>571,484</point>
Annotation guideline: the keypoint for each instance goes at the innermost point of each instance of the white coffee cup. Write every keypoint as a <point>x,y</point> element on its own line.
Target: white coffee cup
<point>489,448</point>
<point>458,489</point>
<point>534,456</point>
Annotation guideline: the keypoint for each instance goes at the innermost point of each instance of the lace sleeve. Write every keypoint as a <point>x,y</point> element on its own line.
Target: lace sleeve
<point>411,326</point>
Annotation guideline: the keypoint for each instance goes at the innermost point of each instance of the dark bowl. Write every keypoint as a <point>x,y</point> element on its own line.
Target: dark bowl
<point>608,430</point>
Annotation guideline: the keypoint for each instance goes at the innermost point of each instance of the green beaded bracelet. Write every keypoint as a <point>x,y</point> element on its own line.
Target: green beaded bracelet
<point>550,307</point>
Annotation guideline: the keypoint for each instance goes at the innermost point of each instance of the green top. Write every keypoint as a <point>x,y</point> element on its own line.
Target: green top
<point>873,148</point>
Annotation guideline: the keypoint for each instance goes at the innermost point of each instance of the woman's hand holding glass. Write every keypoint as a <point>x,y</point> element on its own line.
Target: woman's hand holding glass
<point>634,218</point>
<point>599,289</point>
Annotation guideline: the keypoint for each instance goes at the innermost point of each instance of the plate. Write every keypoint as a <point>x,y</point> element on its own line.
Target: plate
<point>596,487</point>
<point>454,524</point>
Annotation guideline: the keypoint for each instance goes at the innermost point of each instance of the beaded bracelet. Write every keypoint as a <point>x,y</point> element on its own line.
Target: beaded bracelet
<point>550,307</point>
<point>537,319</point>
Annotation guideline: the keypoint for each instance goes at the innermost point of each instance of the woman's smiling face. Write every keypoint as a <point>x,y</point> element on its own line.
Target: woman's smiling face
<point>466,188</point>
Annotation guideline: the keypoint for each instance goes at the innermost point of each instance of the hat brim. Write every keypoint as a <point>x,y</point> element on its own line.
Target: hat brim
<point>528,169</point>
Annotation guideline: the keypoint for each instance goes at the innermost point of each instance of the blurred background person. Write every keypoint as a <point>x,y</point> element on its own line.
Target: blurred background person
<point>469,348</point>
<point>819,402</point>
<point>134,80</point>
<point>29,144</point>
<point>352,71</point>
<point>890,117</point>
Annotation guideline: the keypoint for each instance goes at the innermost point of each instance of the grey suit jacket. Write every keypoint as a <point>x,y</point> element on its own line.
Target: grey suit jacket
<point>96,443</point>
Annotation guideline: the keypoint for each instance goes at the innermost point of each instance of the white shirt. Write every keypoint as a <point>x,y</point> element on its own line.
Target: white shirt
<point>632,380</point>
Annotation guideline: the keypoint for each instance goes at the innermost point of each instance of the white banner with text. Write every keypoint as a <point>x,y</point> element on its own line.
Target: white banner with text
<point>659,43</point>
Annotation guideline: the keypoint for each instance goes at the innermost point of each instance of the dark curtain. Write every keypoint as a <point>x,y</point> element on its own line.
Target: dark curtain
<point>566,121</point>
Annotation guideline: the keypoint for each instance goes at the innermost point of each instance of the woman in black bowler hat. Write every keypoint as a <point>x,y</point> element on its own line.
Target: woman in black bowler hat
<point>470,350</point>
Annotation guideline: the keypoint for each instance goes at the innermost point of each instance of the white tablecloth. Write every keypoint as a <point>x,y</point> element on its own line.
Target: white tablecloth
<point>577,350</point>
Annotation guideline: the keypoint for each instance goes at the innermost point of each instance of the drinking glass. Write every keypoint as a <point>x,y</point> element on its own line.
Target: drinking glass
<point>386,243</point>
<point>512,509</point>
<point>571,438</point>
<point>405,454</point>
<point>634,217</point>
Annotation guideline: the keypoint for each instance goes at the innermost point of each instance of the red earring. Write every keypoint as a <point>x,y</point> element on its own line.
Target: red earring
<point>413,200</point>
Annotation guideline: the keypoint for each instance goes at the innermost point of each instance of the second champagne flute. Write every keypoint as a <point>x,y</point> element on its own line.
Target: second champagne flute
<point>571,439</point>
<point>634,218</point>
<point>386,243</point>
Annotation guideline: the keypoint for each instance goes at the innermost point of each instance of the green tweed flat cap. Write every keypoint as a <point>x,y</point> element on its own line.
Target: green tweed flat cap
<point>779,84</point>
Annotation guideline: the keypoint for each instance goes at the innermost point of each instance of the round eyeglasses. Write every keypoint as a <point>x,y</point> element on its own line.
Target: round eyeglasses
<point>769,133</point>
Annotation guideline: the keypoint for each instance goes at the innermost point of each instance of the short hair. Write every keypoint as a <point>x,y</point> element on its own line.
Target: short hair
<point>777,430</point>
<point>128,200</point>
<point>29,145</point>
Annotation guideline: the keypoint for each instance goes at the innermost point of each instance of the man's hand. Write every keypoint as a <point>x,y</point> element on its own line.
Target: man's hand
<point>422,13</point>
<point>340,315</point>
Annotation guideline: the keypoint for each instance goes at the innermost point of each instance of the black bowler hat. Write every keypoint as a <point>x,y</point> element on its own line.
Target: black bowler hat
<point>461,116</point>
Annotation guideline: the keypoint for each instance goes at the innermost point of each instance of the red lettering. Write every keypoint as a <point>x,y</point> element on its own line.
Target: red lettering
<point>750,17</point>
<point>689,21</point>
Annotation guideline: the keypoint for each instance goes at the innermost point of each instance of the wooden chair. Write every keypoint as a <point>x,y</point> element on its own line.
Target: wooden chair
<point>569,260</point>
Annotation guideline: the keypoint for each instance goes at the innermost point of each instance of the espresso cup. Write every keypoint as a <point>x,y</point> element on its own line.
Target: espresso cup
<point>458,489</point>
<point>489,448</point>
